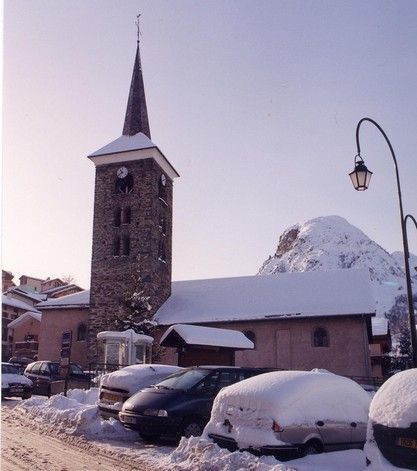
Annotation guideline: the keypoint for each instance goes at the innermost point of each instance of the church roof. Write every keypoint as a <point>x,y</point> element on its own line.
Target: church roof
<point>262,297</point>
<point>136,119</point>
<point>125,144</point>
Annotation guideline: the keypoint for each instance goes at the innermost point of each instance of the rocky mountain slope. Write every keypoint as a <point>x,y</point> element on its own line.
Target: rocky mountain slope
<point>331,242</point>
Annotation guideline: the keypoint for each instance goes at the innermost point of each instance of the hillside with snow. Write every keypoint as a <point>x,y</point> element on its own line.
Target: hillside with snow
<point>331,242</point>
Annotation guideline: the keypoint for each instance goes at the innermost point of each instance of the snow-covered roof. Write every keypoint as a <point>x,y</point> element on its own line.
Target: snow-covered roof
<point>284,295</point>
<point>395,403</point>
<point>379,326</point>
<point>125,144</point>
<point>197,335</point>
<point>77,300</point>
<point>7,300</point>
<point>25,316</point>
<point>128,334</point>
<point>126,148</point>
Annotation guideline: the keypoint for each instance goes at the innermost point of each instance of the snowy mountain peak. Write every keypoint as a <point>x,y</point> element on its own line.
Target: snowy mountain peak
<point>328,243</point>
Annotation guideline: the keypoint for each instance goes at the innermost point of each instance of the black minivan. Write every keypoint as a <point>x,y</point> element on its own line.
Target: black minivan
<point>180,405</point>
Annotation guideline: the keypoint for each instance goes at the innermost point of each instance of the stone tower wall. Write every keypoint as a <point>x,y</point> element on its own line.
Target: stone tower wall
<point>112,276</point>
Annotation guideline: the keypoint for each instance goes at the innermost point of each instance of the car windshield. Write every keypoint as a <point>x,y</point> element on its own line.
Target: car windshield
<point>183,380</point>
<point>9,369</point>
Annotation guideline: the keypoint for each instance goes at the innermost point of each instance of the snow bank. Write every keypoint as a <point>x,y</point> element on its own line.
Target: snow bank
<point>76,414</point>
<point>197,454</point>
<point>395,403</point>
<point>9,378</point>
<point>288,398</point>
<point>135,377</point>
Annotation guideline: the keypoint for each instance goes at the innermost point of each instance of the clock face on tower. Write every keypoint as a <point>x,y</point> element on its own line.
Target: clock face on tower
<point>122,172</point>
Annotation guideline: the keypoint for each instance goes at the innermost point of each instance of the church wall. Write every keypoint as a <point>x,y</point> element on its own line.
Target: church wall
<point>287,344</point>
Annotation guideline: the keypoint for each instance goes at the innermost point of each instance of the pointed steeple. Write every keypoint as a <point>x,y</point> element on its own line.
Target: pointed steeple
<point>136,119</point>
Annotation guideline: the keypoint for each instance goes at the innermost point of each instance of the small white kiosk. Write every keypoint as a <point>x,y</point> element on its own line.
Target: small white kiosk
<point>124,348</point>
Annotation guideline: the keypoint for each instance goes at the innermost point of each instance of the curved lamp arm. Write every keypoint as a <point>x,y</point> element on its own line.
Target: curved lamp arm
<point>412,322</point>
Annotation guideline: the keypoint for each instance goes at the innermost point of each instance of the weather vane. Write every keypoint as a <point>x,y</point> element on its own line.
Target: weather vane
<point>137,24</point>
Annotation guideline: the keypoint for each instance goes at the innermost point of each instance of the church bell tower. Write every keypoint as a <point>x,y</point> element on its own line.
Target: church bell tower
<point>132,228</point>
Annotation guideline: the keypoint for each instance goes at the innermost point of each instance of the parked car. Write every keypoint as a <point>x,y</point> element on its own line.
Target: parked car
<point>290,413</point>
<point>117,387</point>
<point>180,404</point>
<point>13,383</point>
<point>47,379</point>
<point>392,428</point>
<point>21,362</point>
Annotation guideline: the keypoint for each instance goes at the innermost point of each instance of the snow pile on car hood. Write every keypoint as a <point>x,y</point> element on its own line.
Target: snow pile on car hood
<point>76,414</point>
<point>395,403</point>
<point>288,398</point>
<point>135,377</point>
<point>10,378</point>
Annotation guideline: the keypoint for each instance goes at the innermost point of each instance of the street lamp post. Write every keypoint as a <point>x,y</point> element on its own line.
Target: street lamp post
<point>412,218</point>
<point>361,177</point>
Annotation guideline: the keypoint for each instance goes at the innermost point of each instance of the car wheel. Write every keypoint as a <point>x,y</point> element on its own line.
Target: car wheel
<point>149,438</point>
<point>26,395</point>
<point>192,428</point>
<point>312,447</point>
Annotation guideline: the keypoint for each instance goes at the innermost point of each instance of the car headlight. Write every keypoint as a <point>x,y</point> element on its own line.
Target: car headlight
<point>156,412</point>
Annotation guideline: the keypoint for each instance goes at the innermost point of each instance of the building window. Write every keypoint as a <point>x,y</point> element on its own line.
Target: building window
<point>126,215</point>
<point>162,253</point>
<point>116,246</point>
<point>126,245</point>
<point>124,185</point>
<point>81,332</point>
<point>163,224</point>
<point>251,336</point>
<point>320,337</point>
<point>162,190</point>
<point>117,217</point>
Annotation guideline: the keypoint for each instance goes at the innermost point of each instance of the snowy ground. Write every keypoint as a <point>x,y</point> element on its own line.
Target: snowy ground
<point>67,434</point>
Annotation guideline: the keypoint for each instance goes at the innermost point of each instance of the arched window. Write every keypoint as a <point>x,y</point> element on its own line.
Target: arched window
<point>251,336</point>
<point>162,190</point>
<point>320,337</point>
<point>117,217</point>
<point>162,253</point>
<point>124,185</point>
<point>126,245</point>
<point>163,224</point>
<point>116,246</point>
<point>81,332</point>
<point>126,215</point>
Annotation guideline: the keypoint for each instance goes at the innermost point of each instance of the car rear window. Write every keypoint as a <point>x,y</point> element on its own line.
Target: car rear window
<point>9,369</point>
<point>35,368</point>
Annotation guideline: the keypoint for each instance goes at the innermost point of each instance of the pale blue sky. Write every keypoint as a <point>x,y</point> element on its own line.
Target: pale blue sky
<point>255,103</point>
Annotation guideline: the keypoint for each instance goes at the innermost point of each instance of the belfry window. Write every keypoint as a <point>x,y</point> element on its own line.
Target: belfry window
<point>117,217</point>
<point>126,245</point>
<point>320,337</point>
<point>116,246</point>
<point>162,253</point>
<point>162,190</point>
<point>163,224</point>
<point>126,215</point>
<point>124,185</point>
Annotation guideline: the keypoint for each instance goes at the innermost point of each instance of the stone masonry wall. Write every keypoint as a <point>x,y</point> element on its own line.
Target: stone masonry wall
<point>112,276</point>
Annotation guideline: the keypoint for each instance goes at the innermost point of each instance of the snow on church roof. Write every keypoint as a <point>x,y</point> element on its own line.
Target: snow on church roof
<point>125,144</point>
<point>285,295</point>
<point>197,335</point>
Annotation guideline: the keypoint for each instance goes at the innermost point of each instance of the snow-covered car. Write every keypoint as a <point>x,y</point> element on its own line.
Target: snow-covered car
<point>13,383</point>
<point>290,413</point>
<point>117,387</point>
<point>391,441</point>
